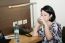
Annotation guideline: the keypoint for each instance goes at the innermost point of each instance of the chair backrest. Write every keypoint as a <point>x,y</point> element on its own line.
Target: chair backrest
<point>63,34</point>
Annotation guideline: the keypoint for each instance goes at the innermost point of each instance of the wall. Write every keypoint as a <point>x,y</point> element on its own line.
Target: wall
<point>58,6</point>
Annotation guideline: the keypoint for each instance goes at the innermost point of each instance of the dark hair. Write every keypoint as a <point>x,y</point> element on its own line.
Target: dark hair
<point>49,10</point>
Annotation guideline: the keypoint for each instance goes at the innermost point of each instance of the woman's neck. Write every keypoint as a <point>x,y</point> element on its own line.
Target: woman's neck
<point>49,23</point>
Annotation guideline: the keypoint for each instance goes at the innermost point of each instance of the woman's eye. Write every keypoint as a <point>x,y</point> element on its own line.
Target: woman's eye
<point>44,15</point>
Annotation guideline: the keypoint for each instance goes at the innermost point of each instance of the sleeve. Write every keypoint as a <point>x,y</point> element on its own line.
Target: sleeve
<point>57,33</point>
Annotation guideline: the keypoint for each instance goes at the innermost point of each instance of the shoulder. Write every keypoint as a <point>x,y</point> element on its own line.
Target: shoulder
<point>56,26</point>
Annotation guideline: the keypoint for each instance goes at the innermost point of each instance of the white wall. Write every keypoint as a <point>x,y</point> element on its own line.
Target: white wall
<point>58,6</point>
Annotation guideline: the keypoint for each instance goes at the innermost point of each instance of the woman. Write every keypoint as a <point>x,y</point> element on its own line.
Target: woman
<point>51,31</point>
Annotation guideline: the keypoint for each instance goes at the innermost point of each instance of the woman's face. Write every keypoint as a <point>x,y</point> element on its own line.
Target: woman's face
<point>45,15</point>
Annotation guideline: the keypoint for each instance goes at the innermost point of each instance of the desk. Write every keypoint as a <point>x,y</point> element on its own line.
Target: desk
<point>25,39</point>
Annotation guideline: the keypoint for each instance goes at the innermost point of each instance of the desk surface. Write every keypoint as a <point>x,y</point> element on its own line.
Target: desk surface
<point>25,39</point>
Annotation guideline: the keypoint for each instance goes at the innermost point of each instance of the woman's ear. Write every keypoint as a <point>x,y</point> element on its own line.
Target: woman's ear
<point>50,15</point>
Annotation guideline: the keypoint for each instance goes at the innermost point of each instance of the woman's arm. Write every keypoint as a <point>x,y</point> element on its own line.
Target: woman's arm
<point>36,28</point>
<point>46,24</point>
<point>48,33</point>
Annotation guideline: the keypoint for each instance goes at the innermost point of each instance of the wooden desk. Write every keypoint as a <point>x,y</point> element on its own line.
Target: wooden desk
<point>25,39</point>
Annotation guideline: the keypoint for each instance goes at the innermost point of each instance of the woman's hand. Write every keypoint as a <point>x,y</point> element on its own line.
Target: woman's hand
<point>47,29</point>
<point>41,20</point>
